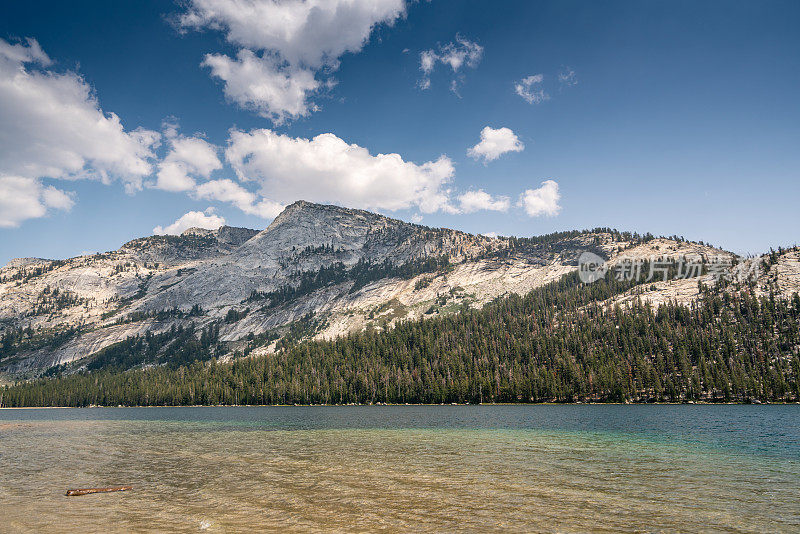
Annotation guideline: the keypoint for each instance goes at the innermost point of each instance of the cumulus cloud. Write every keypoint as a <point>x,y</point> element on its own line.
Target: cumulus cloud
<point>229,191</point>
<point>530,89</point>
<point>313,32</point>
<point>261,84</point>
<point>494,143</point>
<point>473,201</point>
<point>456,54</point>
<point>188,158</point>
<point>296,40</point>
<point>192,219</point>
<point>51,125</point>
<point>24,198</point>
<point>193,158</point>
<point>541,201</point>
<point>328,169</point>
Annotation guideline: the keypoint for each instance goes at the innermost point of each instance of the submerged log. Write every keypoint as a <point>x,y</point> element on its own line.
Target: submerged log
<point>87,491</point>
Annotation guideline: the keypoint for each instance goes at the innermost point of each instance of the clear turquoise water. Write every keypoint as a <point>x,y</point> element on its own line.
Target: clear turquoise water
<point>403,468</point>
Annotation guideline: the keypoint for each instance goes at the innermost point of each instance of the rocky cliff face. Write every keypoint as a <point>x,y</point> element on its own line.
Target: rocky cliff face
<point>348,269</point>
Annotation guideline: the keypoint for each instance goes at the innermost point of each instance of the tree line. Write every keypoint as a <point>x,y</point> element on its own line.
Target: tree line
<point>556,344</point>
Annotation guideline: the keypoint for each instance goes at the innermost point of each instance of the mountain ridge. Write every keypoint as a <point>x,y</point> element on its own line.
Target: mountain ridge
<point>337,269</point>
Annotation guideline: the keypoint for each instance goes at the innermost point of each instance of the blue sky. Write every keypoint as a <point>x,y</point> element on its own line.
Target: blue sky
<point>670,117</point>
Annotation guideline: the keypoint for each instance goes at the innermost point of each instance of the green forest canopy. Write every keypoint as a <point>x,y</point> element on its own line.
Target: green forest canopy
<point>556,344</point>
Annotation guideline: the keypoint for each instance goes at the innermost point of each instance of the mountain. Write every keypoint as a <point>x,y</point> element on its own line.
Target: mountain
<point>317,272</point>
<point>562,342</point>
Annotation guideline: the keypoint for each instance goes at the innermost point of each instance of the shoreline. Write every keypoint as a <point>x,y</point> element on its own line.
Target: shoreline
<point>389,405</point>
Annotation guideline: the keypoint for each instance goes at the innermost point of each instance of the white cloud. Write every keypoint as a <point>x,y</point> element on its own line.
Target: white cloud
<point>456,54</point>
<point>473,201</point>
<point>311,32</point>
<point>567,77</point>
<point>492,235</point>
<point>229,191</point>
<point>460,53</point>
<point>541,201</point>
<point>19,53</point>
<point>261,84</point>
<point>24,198</point>
<point>427,60</point>
<point>297,39</point>
<point>188,158</point>
<point>51,125</point>
<point>192,219</point>
<point>495,143</point>
<point>327,169</point>
<point>530,89</point>
<point>193,157</point>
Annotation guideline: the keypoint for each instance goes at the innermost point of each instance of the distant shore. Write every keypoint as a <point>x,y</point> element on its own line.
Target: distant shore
<point>702,403</point>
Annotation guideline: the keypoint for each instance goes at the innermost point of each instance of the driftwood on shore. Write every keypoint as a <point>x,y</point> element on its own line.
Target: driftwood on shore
<point>87,491</point>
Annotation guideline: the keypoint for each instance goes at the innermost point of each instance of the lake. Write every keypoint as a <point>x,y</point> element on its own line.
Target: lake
<point>574,468</point>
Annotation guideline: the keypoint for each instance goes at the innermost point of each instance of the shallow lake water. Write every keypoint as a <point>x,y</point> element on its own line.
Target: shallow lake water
<point>403,468</point>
